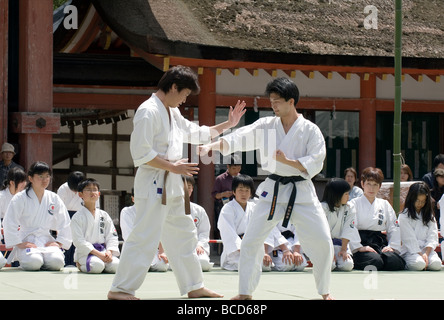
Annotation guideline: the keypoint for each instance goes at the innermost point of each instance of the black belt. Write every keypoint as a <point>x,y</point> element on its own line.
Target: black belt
<point>284,181</point>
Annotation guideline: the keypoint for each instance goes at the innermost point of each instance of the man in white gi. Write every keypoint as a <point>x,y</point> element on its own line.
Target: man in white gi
<point>156,147</point>
<point>93,233</point>
<point>293,150</point>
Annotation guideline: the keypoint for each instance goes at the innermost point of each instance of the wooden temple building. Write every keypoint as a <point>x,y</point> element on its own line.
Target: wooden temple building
<point>72,77</point>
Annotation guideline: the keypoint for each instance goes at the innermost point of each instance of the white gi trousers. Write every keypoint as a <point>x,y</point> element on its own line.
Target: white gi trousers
<point>169,224</point>
<point>313,232</point>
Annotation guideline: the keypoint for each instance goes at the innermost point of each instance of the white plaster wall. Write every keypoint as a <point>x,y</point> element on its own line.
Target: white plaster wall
<point>319,86</point>
<point>411,89</point>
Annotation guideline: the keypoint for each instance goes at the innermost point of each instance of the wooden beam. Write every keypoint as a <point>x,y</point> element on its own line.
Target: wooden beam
<point>4,14</point>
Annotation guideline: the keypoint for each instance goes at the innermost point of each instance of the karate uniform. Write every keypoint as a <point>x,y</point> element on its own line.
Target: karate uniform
<point>415,238</point>
<point>202,224</point>
<point>35,221</point>
<point>304,142</point>
<point>232,224</point>
<point>372,219</point>
<point>153,135</point>
<point>5,198</point>
<point>342,222</point>
<point>127,217</point>
<point>88,232</point>
<point>276,239</point>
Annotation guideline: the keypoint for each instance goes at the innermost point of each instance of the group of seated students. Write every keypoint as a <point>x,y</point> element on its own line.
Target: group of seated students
<point>366,232</point>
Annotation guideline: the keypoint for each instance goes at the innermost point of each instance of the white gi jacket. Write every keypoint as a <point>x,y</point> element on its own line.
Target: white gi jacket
<point>378,216</point>
<point>202,224</point>
<point>303,142</point>
<point>232,223</point>
<point>342,222</point>
<point>36,220</point>
<point>71,199</point>
<point>153,135</point>
<point>127,217</point>
<point>415,236</point>
<point>275,239</point>
<point>88,230</point>
<point>5,198</point>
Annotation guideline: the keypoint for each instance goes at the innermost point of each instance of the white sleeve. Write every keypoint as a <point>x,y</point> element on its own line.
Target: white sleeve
<point>83,246</point>
<point>313,162</point>
<point>408,236</point>
<point>393,230</point>
<point>11,222</point>
<point>142,137</point>
<point>111,237</point>
<point>226,225</point>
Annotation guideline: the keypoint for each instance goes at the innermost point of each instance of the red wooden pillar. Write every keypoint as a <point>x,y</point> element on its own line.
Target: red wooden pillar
<point>35,123</point>
<point>207,116</point>
<point>3,71</point>
<point>367,124</point>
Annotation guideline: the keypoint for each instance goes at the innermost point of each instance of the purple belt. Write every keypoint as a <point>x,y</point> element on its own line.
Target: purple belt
<point>99,247</point>
<point>337,242</point>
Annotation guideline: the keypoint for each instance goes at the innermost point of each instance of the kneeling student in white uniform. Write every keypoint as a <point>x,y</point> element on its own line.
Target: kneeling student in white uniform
<point>289,233</point>
<point>419,230</point>
<point>233,221</point>
<point>202,224</point>
<point>93,232</point>
<point>127,217</point>
<point>37,212</point>
<point>341,219</point>
<point>279,255</point>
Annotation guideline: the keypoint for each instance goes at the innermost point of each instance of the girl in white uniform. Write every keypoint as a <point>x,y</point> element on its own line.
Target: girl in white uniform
<point>37,211</point>
<point>374,215</point>
<point>233,221</point>
<point>293,150</point>
<point>299,258</point>
<point>419,230</point>
<point>342,221</point>
<point>93,232</point>
<point>15,182</point>
<point>156,146</point>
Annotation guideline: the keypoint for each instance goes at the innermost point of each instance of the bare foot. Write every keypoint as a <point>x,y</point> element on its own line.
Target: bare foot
<point>204,292</point>
<point>121,296</point>
<point>242,297</point>
<point>327,297</point>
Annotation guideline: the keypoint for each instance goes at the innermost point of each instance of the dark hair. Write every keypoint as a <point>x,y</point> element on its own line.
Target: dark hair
<point>439,159</point>
<point>415,190</point>
<point>74,179</point>
<point>183,77</point>
<point>189,179</point>
<point>333,192</point>
<point>38,167</point>
<point>285,88</point>
<point>15,175</point>
<point>84,183</point>
<point>245,180</point>
<point>374,174</point>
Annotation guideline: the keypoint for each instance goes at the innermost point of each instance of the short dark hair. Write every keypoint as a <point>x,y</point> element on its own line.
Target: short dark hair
<point>83,184</point>
<point>183,77</point>
<point>285,88</point>
<point>333,192</point>
<point>74,179</point>
<point>374,174</point>
<point>189,179</point>
<point>245,180</point>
